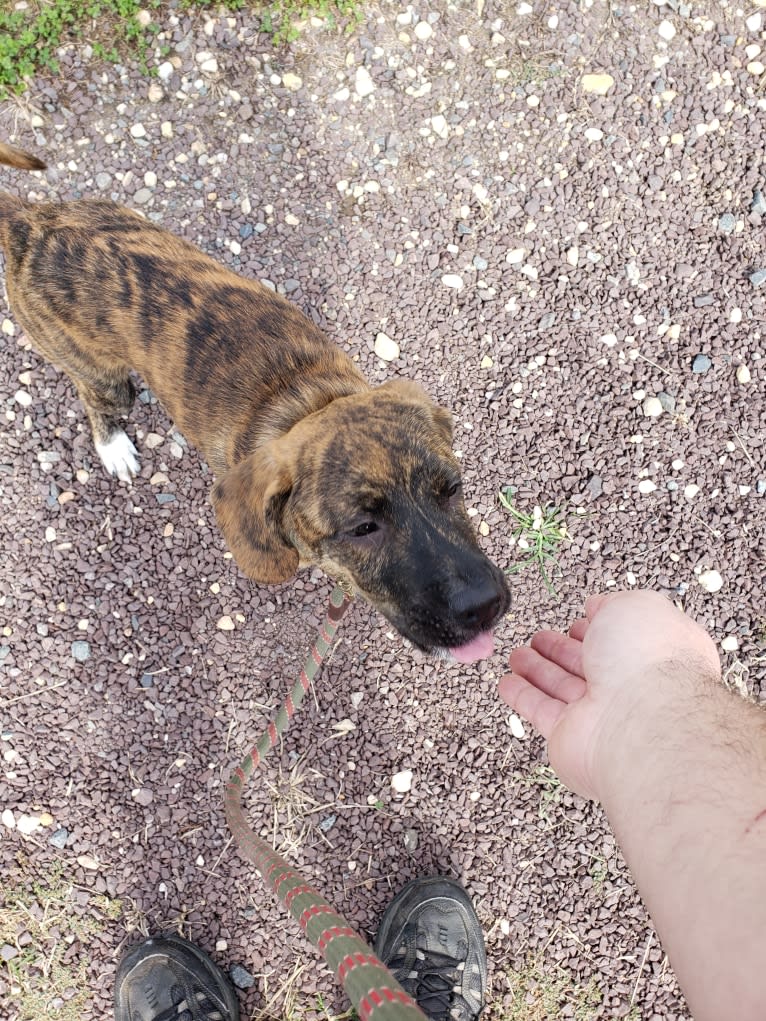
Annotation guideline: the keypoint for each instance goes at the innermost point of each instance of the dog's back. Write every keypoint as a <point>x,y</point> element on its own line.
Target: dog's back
<point>101,289</point>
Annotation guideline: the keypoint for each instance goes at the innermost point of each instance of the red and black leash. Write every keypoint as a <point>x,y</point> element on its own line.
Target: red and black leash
<point>370,986</point>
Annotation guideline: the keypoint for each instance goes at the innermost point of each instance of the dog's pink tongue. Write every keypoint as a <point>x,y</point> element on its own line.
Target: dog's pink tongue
<point>478,648</point>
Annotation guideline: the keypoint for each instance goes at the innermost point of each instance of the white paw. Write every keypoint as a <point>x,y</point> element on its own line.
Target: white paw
<point>119,457</point>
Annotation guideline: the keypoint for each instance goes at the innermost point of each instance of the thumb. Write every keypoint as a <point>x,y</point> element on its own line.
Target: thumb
<point>595,604</point>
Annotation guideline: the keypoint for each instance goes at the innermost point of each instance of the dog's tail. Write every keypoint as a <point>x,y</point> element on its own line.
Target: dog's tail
<point>13,157</point>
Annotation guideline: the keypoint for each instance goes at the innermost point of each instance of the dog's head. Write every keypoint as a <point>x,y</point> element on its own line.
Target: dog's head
<point>369,490</point>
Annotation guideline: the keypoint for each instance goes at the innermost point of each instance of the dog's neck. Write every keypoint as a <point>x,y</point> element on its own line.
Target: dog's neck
<point>285,413</point>
<point>271,419</point>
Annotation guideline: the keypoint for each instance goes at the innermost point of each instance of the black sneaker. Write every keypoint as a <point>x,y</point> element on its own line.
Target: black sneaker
<point>169,979</point>
<point>431,939</point>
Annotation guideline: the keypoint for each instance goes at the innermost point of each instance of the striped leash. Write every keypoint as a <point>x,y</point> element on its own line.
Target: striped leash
<point>372,989</point>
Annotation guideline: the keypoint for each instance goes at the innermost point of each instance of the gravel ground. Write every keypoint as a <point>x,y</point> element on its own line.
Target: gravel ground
<point>556,257</point>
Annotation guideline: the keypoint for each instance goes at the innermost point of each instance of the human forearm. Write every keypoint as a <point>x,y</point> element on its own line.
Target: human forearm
<point>683,783</point>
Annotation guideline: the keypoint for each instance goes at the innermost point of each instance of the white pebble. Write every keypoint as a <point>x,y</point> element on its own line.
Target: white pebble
<point>8,328</point>
<point>440,126</point>
<point>594,134</point>
<point>743,375</point>
<point>691,491</point>
<point>711,581</point>
<point>8,819</point>
<point>23,398</point>
<point>524,8</point>
<point>386,348</point>
<point>27,824</point>
<point>667,30</point>
<point>730,643</point>
<point>754,22</point>
<point>165,71</point>
<point>755,67</point>
<point>402,782</point>
<point>573,256</point>
<point>735,316</point>
<point>423,31</point>
<point>517,727</point>
<point>150,179</point>
<point>363,83</point>
<point>225,624</point>
<point>646,486</point>
<point>138,131</point>
<point>652,407</point>
<point>597,84</point>
<point>50,534</point>
<point>291,81</point>
<point>144,18</point>
<point>516,256</point>
<point>452,280</point>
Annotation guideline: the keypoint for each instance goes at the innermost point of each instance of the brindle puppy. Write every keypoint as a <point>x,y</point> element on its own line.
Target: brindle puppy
<point>313,465</point>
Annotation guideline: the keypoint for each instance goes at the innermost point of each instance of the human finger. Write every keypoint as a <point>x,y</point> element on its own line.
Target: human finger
<point>563,650</point>
<point>596,603</point>
<point>548,676</point>
<point>539,709</point>
<point>578,629</point>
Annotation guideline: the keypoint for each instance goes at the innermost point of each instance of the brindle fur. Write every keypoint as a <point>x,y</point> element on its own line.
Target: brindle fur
<point>303,448</point>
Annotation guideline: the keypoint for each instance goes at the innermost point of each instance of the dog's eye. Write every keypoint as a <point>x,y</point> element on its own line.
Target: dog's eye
<point>451,494</point>
<point>366,528</point>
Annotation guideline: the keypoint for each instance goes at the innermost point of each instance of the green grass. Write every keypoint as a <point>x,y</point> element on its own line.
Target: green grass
<point>540,993</point>
<point>279,17</point>
<point>37,920</point>
<point>29,38</point>
<point>537,535</point>
<point>551,791</point>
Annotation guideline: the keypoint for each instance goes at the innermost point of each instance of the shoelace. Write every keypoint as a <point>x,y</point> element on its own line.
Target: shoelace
<point>432,983</point>
<point>182,1010</point>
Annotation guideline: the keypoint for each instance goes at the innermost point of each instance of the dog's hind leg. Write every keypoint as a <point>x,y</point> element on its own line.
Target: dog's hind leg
<point>106,390</point>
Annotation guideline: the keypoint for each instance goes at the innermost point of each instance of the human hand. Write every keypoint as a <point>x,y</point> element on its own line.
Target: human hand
<point>627,659</point>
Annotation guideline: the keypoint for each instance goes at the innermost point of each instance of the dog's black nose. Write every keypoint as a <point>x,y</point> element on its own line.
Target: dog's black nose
<point>478,606</point>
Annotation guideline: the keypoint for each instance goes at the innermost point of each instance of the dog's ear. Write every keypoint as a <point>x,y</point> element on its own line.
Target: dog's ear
<point>249,502</point>
<point>415,393</point>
